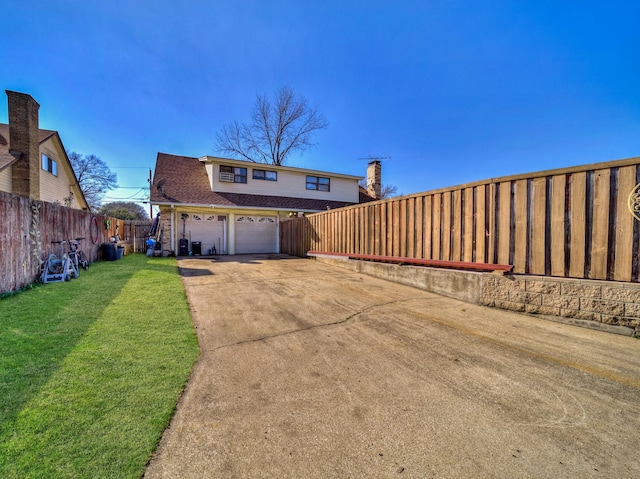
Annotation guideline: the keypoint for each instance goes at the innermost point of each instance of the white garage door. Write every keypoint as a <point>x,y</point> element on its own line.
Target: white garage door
<point>256,234</point>
<point>208,229</point>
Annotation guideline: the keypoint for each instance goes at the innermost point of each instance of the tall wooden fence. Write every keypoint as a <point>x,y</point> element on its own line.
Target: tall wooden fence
<point>572,222</point>
<point>27,228</point>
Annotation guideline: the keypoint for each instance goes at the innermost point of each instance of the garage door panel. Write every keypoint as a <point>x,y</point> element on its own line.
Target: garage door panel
<point>207,229</point>
<point>256,234</point>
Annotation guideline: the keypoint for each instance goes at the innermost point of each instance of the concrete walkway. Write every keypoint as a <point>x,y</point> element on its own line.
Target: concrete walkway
<point>311,371</point>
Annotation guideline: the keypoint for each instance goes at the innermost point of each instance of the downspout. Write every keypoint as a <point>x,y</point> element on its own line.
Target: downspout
<point>173,248</point>
<point>278,233</point>
<point>224,236</point>
<point>232,236</point>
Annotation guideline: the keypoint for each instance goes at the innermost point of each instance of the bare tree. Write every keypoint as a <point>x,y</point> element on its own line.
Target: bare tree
<point>386,191</point>
<point>276,129</point>
<point>94,177</point>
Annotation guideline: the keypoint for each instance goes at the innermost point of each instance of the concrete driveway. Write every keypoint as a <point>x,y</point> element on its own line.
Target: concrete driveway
<point>311,371</point>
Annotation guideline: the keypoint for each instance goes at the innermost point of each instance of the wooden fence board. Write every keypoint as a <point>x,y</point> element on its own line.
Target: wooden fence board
<point>375,229</point>
<point>504,222</point>
<point>437,213</point>
<point>411,227</point>
<point>345,230</point>
<point>396,228</point>
<point>600,227</point>
<point>335,229</point>
<point>577,215</point>
<point>491,238</point>
<point>624,225</point>
<point>427,234</point>
<point>481,225</point>
<point>382,233</point>
<point>419,252</point>
<point>446,226</point>
<point>469,232</point>
<point>403,227</point>
<point>521,219</point>
<point>390,228</point>
<point>557,225</point>
<point>456,225</point>
<point>539,202</point>
<point>373,225</point>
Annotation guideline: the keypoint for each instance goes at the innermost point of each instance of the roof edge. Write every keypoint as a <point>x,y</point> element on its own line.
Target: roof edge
<point>218,159</point>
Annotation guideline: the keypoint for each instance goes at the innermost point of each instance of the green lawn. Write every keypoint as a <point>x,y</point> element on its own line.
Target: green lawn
<point>91,370</point>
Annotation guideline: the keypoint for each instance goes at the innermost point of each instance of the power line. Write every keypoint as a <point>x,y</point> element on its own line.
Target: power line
<point>140,190</point>
<point>131,167</point>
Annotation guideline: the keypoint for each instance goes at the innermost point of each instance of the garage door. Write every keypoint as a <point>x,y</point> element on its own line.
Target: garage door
<point>207,229</point>
<point>256,234</point>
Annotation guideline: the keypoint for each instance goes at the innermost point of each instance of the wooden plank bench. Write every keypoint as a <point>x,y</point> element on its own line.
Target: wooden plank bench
<point>418,261</point>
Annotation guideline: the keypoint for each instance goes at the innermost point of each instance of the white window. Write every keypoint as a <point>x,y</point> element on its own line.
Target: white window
<point>318,183</point>
<point>265,175</point>
<point>50,165</point>
<point>233,174</point>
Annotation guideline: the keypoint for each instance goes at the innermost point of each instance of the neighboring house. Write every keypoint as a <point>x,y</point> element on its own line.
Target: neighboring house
<point>236,206</point>
<point>33,162</point>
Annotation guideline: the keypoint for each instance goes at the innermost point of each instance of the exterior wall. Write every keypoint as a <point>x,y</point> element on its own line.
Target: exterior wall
<point>5,180</point>
<point>172,224</point>
<point>291,182</point>
<point>55,189</point>
<point>603,302</point>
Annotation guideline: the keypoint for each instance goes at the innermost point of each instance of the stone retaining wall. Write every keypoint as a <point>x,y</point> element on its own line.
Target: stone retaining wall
<point>604,302</point>
<point>607,305</point>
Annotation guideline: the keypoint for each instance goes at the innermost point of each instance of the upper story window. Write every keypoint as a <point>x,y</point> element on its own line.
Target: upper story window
<point>233,174</point>
<point>265,175</point>
<point>318,183</point>
<point>50,165</point>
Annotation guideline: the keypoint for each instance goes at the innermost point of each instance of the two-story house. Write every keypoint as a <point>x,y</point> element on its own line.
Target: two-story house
<point>33,162</point>
<point>236,206</point>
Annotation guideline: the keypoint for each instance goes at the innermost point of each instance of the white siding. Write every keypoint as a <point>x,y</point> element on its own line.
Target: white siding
<point>5,180</point>
<point>56,188</point>
<point>289,183</point>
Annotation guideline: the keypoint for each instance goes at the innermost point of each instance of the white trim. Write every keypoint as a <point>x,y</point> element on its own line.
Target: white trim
<point>172,243</point>
<point>250,164</point>
<point>248,208</point>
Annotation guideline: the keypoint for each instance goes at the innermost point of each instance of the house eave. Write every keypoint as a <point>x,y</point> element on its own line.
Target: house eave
<point>244,163</point>
<point>233,207</point>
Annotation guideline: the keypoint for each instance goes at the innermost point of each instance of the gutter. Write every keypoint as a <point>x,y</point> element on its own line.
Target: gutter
<point>233,207</point>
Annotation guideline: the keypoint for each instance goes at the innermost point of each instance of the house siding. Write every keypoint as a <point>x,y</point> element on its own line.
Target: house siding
<point>56,188</point>
<point>289,183</point>
<point>5,180</point>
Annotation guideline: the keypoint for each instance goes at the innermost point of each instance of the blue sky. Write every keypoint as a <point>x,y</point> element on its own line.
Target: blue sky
<point>452,91</point>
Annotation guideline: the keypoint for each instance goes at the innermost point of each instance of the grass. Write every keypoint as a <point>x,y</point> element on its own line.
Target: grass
<point>91,370</point>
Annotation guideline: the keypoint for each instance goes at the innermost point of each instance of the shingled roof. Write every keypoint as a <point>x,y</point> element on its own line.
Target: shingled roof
<point>6,158</point>
<point>186,182</point>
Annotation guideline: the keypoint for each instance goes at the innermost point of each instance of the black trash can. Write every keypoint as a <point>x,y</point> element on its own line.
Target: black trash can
<point>183,247</point>
<point>109,252</point>
<point>196,248</point>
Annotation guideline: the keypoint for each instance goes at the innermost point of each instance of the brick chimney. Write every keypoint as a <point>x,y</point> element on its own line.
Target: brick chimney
<point>374,179</point>
<point>24,143</point>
